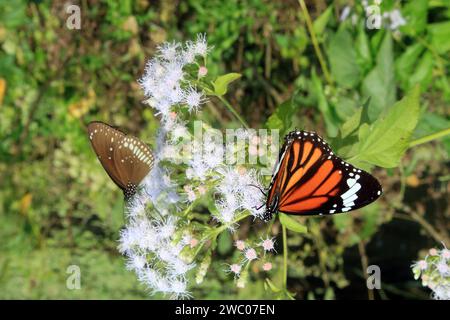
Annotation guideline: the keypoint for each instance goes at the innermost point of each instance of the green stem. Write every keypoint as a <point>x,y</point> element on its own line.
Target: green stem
<point>430,137</point>
<point>233,111</point>
<point>319,54</point>
<point>214,233</point>
<point>285,253</point>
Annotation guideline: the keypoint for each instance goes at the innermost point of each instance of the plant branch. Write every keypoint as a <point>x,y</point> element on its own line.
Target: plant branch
<point>285,253</point>
<point>233,111</point>
<point>319,54</point>
<point>365,264</point>
<point>430,137</point>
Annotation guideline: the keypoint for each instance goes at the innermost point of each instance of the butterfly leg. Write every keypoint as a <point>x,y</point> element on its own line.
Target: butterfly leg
<point>259,188</point>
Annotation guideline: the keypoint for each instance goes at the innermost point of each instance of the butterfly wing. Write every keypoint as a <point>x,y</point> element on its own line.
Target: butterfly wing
<point>103,139</point>
<point>125,158</point>
<point>133,160</point>
<point>311,180</point>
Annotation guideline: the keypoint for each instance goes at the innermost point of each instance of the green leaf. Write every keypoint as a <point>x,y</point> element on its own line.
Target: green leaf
<point>439,34</point>
<point>281,119</point>
<point>385,141</point>
<point>343,222</point>
<point>342,56</point>
<point>406,63</point>
<point>222,82</point>
<point>292,224</point>
<point>329,294</point>
<point>379,84</point>
<point>370,221</point>
<point>321,22</point>
<point>272,286</point>
<point>364,56</point>
<point>224,243</point>
<point>358,118</point>
<point>431,123</point>
<point>415,13</point>
<point>330,117</point>
<point>423,72</point>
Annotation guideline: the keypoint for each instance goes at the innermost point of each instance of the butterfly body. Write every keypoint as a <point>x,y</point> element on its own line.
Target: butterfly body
<point>310,180</point>
<point>125,158</point>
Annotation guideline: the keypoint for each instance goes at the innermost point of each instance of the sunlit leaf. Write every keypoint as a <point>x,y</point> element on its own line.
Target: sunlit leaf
<point>385,141</point>
<point>321,22</point>
<point>292,224</point>
<point>379,84</point>
<point>342,56</point>
<point>222,82</point>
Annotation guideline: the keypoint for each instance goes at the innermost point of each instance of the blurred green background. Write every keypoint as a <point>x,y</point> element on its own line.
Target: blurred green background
<point>59,208</point>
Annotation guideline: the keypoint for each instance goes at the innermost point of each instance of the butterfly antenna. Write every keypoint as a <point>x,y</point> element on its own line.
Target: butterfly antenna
<point>259,188</point>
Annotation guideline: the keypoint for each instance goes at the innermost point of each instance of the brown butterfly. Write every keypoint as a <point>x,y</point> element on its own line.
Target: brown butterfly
<point>125,158</point>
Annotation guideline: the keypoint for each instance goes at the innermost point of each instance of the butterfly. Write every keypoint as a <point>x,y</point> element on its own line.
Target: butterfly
<point>309,179</point>
<point>126,159</point>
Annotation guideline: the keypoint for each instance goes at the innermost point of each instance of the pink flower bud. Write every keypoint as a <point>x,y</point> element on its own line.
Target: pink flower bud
<point>268,244</point>
<point>267,266</point>
<point>240,245</point>
<point>235,268</point>
<point>193,242</point>
<point>250,254</point>
<point>202,71</point>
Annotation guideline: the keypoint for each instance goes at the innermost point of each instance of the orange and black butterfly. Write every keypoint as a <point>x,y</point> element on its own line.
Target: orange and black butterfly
<point>125,158</point>
<point>310,180</point>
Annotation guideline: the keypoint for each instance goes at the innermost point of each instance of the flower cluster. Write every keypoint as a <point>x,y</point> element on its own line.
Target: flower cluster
<point>155,236</point>
<point>434,271</point>
<point>238,191</point>
<point>154,254</point>
<point>392,19</point>
<point>251,254</point>
<point>167,85</point>
<point>159,240</point>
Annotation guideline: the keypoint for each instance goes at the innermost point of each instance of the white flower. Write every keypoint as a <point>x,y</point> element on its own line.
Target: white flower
<point>188,54</point>
<point>443,268</point>
<point>166,228</point>
<point>136,262</point>
<point>193,99</point>
<point>345,13</point>
<point>149,276</point>
<point>175,95</point>
<point>179,267</point>
<point>128,240</point>
<point>174,74</point>
<point>396,19</point>
<point>179,131</point>
<point>198,169</point>
<point>178,289</point>
<point>226,214</point>
<point>200,45</point>
<point>213,153</point>
<point>136,206</point>
<point>422,264</point>
<point>169,50</point>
